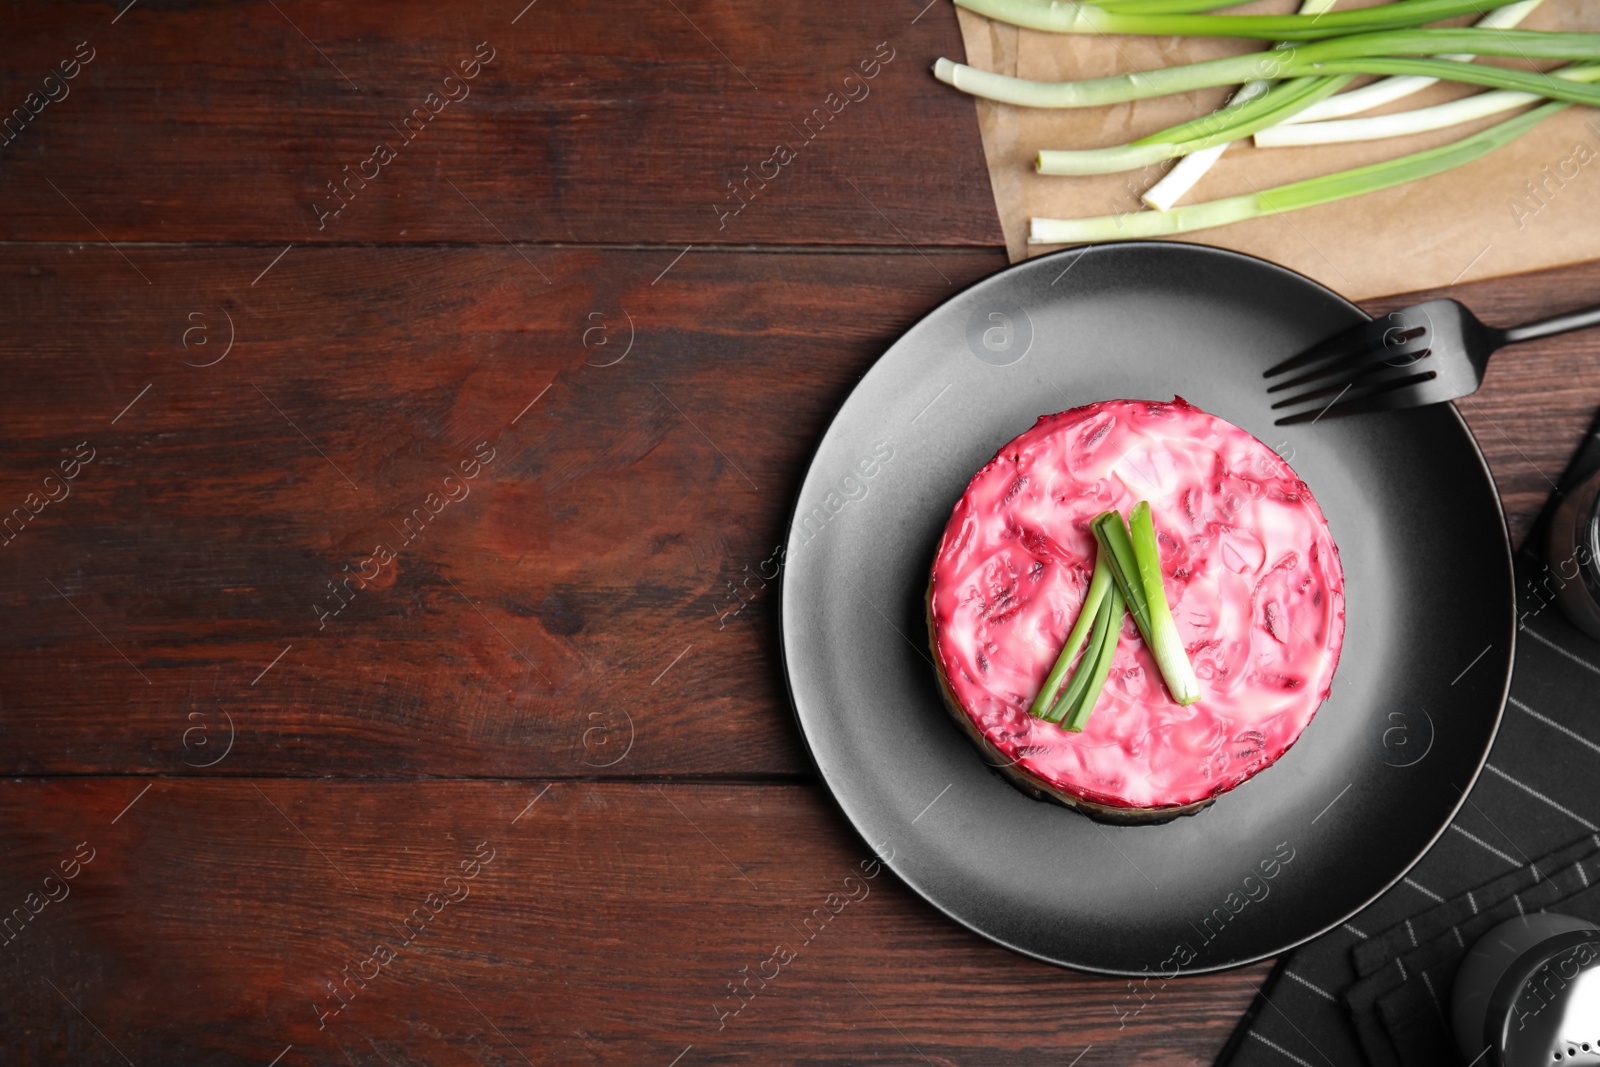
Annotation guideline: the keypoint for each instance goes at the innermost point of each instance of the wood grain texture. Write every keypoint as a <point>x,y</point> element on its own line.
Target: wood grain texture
<point>252,394</point>
<point>605,579</point>
<point>606,928</point>
<point>602,121</point>
<point>595,573</point>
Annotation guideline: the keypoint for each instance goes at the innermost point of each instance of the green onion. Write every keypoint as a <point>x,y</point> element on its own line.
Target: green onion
<point>1271,102</point>
<point>1367,53</point>
<point>1115,544</point>
<point>1264,121</point>
<point>1072,698</point>
<point>1526,81</point>
<point>1417,120</point>
<point>1176,182</point>
<point>1078,713</point>
<point>1184,174</point>
<point>1127,577</point>
<point>1397,124</point>
<point>1136,566</point>
<point>1099,582</point>
<point>1191,168</point>
<point>1309,193</point>
<point>1388,90</point>
<point>1284,100</point>
<point>1163,7</point>
<point>1162,636</point>
<point>1056,17</point>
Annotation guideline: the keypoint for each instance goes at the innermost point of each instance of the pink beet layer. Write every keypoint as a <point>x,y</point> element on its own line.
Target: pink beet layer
<point>1252,576</point>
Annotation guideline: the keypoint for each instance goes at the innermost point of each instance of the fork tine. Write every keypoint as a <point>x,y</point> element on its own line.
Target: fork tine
<point>1351,368</point>
<point>1386,396</point>
<point>1368,376</point>
<point>1345,343</point>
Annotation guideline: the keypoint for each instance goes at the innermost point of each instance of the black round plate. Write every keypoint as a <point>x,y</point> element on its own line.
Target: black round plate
<point>1304,845</point>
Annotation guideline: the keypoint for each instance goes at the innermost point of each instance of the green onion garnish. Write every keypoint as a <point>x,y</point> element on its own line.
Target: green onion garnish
<point>1071,699</point>
<point>1077,714</point>
<point>1117,546</point>
<point>1162,637</point>
<point>1126,578</point>
<point>1136,566</point>
<point>1099,582</point>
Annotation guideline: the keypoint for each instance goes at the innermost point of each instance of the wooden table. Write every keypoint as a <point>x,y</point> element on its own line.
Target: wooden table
<point>389,665</point>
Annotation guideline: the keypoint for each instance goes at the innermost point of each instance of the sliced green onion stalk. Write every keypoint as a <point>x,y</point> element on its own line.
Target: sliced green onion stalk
<point>1162,638</point>
<point>1072,696</point>
<point>1056,17</point>
<point>1369,53</point>
<point>1117,548</point>
<point>1099,582</point>
<point>1071,700</point>
<point>1418,120</point>
<point>1192,167</point>
<point>1388,90</point>
<point>1077,715</point>
<point>1280,102</point>
<point>1325,189</point>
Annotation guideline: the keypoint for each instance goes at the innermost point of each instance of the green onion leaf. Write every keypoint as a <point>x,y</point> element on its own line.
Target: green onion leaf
<point>1362,53</point>
<point>1521,81</point>
<point>1073,694</point>
<point>1162,637</point>
<point>1078,714</point>
<point>1188,218</point>
<point>1183,176</point>
<point>1056,17</point>
<point>1117,547</point>
<point>1099,582</point>
<point>1127,578</point>
<point>1279,104</point>
<point>1166,7</point>
<point>1388,90</point>
<point>1269,102</point>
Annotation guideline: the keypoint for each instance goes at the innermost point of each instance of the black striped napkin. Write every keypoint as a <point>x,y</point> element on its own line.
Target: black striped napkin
<point>1377,990</point>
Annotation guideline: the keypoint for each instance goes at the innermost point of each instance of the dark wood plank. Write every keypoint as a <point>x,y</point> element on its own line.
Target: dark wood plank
<point>607,577</point>
<point>603,568</point>
<point>595,606</point>
<point>614,121</point>
<point>606,928</point>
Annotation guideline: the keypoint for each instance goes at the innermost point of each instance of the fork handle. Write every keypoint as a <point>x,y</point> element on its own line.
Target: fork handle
<point>1565,323</point>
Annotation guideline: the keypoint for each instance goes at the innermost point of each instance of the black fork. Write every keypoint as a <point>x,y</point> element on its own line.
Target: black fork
<point>1424,354</point>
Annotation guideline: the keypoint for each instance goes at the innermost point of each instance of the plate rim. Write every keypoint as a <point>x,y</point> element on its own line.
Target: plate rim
<point>785,605</point>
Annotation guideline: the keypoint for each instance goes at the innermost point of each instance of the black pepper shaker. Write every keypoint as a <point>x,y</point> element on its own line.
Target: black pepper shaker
<point>1528,994</point>
<point>1574,554</point>
<point>1572,539</point>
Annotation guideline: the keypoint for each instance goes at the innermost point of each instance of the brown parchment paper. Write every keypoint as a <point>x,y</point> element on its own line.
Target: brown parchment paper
<point>1534,203</point>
